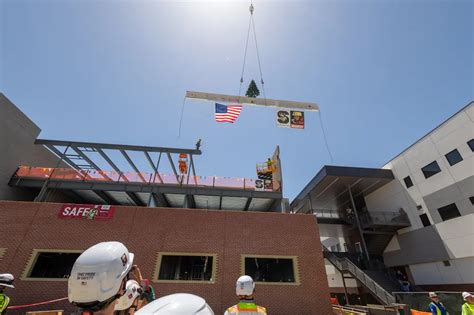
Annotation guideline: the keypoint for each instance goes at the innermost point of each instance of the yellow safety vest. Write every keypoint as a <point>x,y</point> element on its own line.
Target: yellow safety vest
<point>438,310</point>
<point>247,308</point>
<point>4,300</point>
<point>467,309</point>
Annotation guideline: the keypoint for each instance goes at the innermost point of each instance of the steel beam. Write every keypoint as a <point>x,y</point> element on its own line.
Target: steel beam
<point>116,146</point>
<point>88,160</point>
<point>189,202</point>
<point>174,167</point>
<point>63,157</point>
<point>155,168</point>
<point>135,198</point>
<point>106,197</point>
<point>220,203</point>
<point>160,200</point>
<point>111,163</point>
<point>247,204</point>
<point>129,160</point>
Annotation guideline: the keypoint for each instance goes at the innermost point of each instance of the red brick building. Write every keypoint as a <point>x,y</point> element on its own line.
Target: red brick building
<point>30,228</point>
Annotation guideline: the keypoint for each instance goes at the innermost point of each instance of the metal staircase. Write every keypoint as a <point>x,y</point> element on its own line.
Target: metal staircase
<point>344,265</point>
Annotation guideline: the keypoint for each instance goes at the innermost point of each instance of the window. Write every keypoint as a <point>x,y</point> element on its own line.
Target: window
<point>453,157</point>
<point>408,181</point>
<point>431,169</point>
<point>419,207</point>
<point>53,264</point>
<point>173,267</point>
<point>449,212</point>
<point>472,200</point>
<point>271,269</point>
<point>470,143</point>
<point>425,220</point>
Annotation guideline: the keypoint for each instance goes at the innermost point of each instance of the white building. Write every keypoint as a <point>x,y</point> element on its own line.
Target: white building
<point>416,212</point>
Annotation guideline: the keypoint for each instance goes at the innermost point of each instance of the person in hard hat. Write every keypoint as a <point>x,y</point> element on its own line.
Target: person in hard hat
<point>98,277</point>
<point>468,307</point>
<point>245,289</point>
<point>436,307</point>
<point>130,300</point>
<point>6,281</point>
<point>177,304</point>
<point>269,164</point>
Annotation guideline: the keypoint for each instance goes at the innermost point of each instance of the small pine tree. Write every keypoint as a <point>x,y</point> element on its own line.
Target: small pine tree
<point>252,91</point>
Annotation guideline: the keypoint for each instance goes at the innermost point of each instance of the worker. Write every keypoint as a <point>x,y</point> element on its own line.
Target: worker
<point>468,307</point>
<point>148,294</point>
<point>130,301</point>
<point>6,281</point>
<point>245,289</point>
<point>436,307</point>
<point>198,144</point>
<point>269,164</point>
<point>177,304</point>
<point>98,277</point>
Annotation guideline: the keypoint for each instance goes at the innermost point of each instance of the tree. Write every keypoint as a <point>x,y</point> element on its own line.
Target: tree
<point>252,91</point>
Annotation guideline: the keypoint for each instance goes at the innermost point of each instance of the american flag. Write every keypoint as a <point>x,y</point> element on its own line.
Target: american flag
<point>227,113</point>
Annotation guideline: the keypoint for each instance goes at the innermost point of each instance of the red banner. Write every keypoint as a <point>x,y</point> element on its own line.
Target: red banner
<point>90,212</point>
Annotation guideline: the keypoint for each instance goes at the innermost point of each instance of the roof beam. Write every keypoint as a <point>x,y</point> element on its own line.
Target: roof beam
<point>247,204</point>
<point>111,163</point>
<point>106,197</point>
<point>174,167</point>
<point>96,145</point>
<point>135,199</point>
<point>129,160</point>
<point>63,156</point>
<point>160,200</point>
<point>189,202</point>
<point>91,163</point>
<point>155,168</point>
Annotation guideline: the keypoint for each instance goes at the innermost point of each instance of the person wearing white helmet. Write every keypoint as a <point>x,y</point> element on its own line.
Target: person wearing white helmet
<point>245,289</point>
<point>98,277</point>
<point>468,307</point>
<point>177,304</point>
<point>130,300</point>
<point>6,281</point>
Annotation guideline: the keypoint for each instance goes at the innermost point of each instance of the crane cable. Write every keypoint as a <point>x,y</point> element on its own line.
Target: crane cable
<point>252,24</point>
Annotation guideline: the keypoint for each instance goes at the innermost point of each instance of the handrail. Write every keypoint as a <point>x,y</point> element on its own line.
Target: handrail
<point>344,264</point>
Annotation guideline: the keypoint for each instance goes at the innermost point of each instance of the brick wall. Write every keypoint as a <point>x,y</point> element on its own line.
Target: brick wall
<point>148,231</point>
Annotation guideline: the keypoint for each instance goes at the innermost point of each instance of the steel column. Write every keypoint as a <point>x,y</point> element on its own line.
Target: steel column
<point>359,228</point>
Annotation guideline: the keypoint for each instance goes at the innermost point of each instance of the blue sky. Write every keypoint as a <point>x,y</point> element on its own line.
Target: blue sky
<point>383,72</point>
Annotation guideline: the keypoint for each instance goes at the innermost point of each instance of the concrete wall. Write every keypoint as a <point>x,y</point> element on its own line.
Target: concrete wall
<point>17,136</point>
<point>149,231</point>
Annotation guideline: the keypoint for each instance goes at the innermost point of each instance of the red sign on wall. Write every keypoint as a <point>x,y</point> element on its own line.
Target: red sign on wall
<point>91,212</point>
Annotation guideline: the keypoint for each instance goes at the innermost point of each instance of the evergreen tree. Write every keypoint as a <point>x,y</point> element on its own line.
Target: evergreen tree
<point>252,91</point>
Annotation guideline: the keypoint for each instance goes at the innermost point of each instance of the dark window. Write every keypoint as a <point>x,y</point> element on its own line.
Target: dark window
<point>425,220</point>
<point>53,265</point>
<point>270,269</point>
<point>419,207</point>
<point>431,169</point>
<point>449,212</point>
<point>472,200</point>
<point>187,268</point>
<point>470,143</point>
<point>453,157</point>
<point>408,181</point>
<point>446,263</point>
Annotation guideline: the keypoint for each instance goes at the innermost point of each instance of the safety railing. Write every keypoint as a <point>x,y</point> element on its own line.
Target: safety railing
<point>344,264</point>
<point>133,177</point>
<point>384,218</point>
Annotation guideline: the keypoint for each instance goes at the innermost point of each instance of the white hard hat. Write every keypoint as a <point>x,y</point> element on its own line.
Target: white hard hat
<point>6,280</point>
<point>132,291</point>
<point>244,286</point>
<point>432,294</point>
<point>465,295</point>
<point>177,304</point>
<point>98,273</point>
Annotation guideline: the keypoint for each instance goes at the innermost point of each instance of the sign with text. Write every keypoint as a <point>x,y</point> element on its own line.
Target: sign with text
<point>90,212</point>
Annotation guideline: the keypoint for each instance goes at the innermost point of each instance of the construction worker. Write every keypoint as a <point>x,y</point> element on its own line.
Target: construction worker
<point>269,164</point>
<point>6,281</point>
<point>177,304</point>
<point>468,307</point>
<point>98,277</point>
<point>245,289</point>
<point>436,307</point>
<point>130,301</point>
